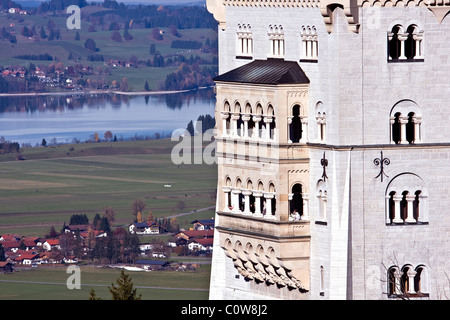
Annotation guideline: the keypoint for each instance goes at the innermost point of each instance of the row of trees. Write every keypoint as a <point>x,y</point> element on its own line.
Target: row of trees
<point>203,123</point>
<point>7,147</point>
<point>188,77</point>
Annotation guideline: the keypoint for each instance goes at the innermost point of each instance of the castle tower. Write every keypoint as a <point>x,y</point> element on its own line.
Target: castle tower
<point>332,144</point>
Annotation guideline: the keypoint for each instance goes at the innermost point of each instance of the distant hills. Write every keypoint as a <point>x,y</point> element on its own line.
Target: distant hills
<point>36,3</point>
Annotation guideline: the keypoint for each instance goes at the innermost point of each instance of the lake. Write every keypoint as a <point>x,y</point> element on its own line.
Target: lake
<point>77,117</point>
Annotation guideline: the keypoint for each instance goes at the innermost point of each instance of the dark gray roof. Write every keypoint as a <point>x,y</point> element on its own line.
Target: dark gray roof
<point>271,71</point>
<point>152,262</point>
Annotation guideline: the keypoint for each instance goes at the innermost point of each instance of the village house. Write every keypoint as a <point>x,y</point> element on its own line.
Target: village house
<point>27,258</point>
<point>203,224</point>
<point>146,227</point>
<point>51,244</point>
<point>201,244</point>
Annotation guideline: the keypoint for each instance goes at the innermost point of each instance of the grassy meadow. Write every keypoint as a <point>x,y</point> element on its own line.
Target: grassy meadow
<point>49,283</point>
<point>55,182</point>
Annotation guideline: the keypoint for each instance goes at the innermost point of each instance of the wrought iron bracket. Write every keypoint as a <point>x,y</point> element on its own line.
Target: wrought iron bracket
<point>324,163</point>
<point>381,162</point>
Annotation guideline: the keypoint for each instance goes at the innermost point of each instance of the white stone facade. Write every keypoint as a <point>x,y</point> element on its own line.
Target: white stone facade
<point>357,95</point>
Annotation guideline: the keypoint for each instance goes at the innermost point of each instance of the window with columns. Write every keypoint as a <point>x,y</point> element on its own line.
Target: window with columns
<point>406,123</point>
<point>405,45</point>
<point>407,281</point>
<point>276,41</point>
<point>245,41</point>
<point>406,201</point>
<point>321,121</point>
<point>310,44</point>
<point>249,122</point>
<point>249,199</point>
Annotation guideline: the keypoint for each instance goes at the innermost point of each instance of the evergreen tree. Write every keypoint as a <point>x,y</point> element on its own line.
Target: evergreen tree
<point>93,296</point>
<point>124,289</point>
<point>2,253</point>
<point>104,224</point>
<point>146,87</point>
<point>190,128</point>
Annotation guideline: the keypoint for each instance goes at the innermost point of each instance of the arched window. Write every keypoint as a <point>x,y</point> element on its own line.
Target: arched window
<point>245,41</point>
<point>421,281</point>
<point>296,202</point>
<point>310,47</point>
<point>226,119</point>
<point>249,119</point>
<point>270,123</point>
<point>227,195</point>
<point>276,41</point>
<point>407,282</point>
<point>394,43</point>
<point>406,123</point>
<point>406,200</point>
<point>295,127</point>
<point>405,45</point>
<point>393,281</point>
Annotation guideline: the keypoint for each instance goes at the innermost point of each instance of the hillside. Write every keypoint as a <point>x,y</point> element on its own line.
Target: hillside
<point>126,47</point>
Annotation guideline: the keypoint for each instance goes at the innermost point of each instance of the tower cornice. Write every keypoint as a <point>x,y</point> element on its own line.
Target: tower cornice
<point>440,8</point>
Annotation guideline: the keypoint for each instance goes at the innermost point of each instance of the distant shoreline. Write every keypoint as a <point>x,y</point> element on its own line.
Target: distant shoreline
<point>126,93</point>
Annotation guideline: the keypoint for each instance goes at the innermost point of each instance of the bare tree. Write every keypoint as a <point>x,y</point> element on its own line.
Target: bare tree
<point>137,206</point>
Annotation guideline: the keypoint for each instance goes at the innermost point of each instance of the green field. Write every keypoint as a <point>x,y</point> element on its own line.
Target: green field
<point>67,46</point>
<point>49,283</point>
<point>55,182</point>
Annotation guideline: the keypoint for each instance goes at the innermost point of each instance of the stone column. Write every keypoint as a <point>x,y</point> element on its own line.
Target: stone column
<point>268,197</point>
<point>257,196</point>
<point>423,213</point>
<point>234,128</point>
<point>305,47</point>
<point>257,119</point>
<point>226,191</point>
<point>304,137</point>
<point>309,47</point>
<point>268,120</point>
<point>410,217</point>
<point>392,121</point>
<point>397,217</point>
<point>402,38</point>
<point>411,274</point>
<point>225,116</point>
<point>403,122</point>
<point>305,215</point>
<point>281,47</point>
<point>418,39</point>
<point>417,127</point>
<point>235,200</point>
<point>246,119</point>
<point>289,122</point>
<point>390,37</point>
<point>247,194</point>
<point>315,48</point>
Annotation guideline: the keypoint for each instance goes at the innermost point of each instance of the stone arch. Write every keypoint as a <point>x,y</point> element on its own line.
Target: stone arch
<point>405,122</point>
<point>406,200</point>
